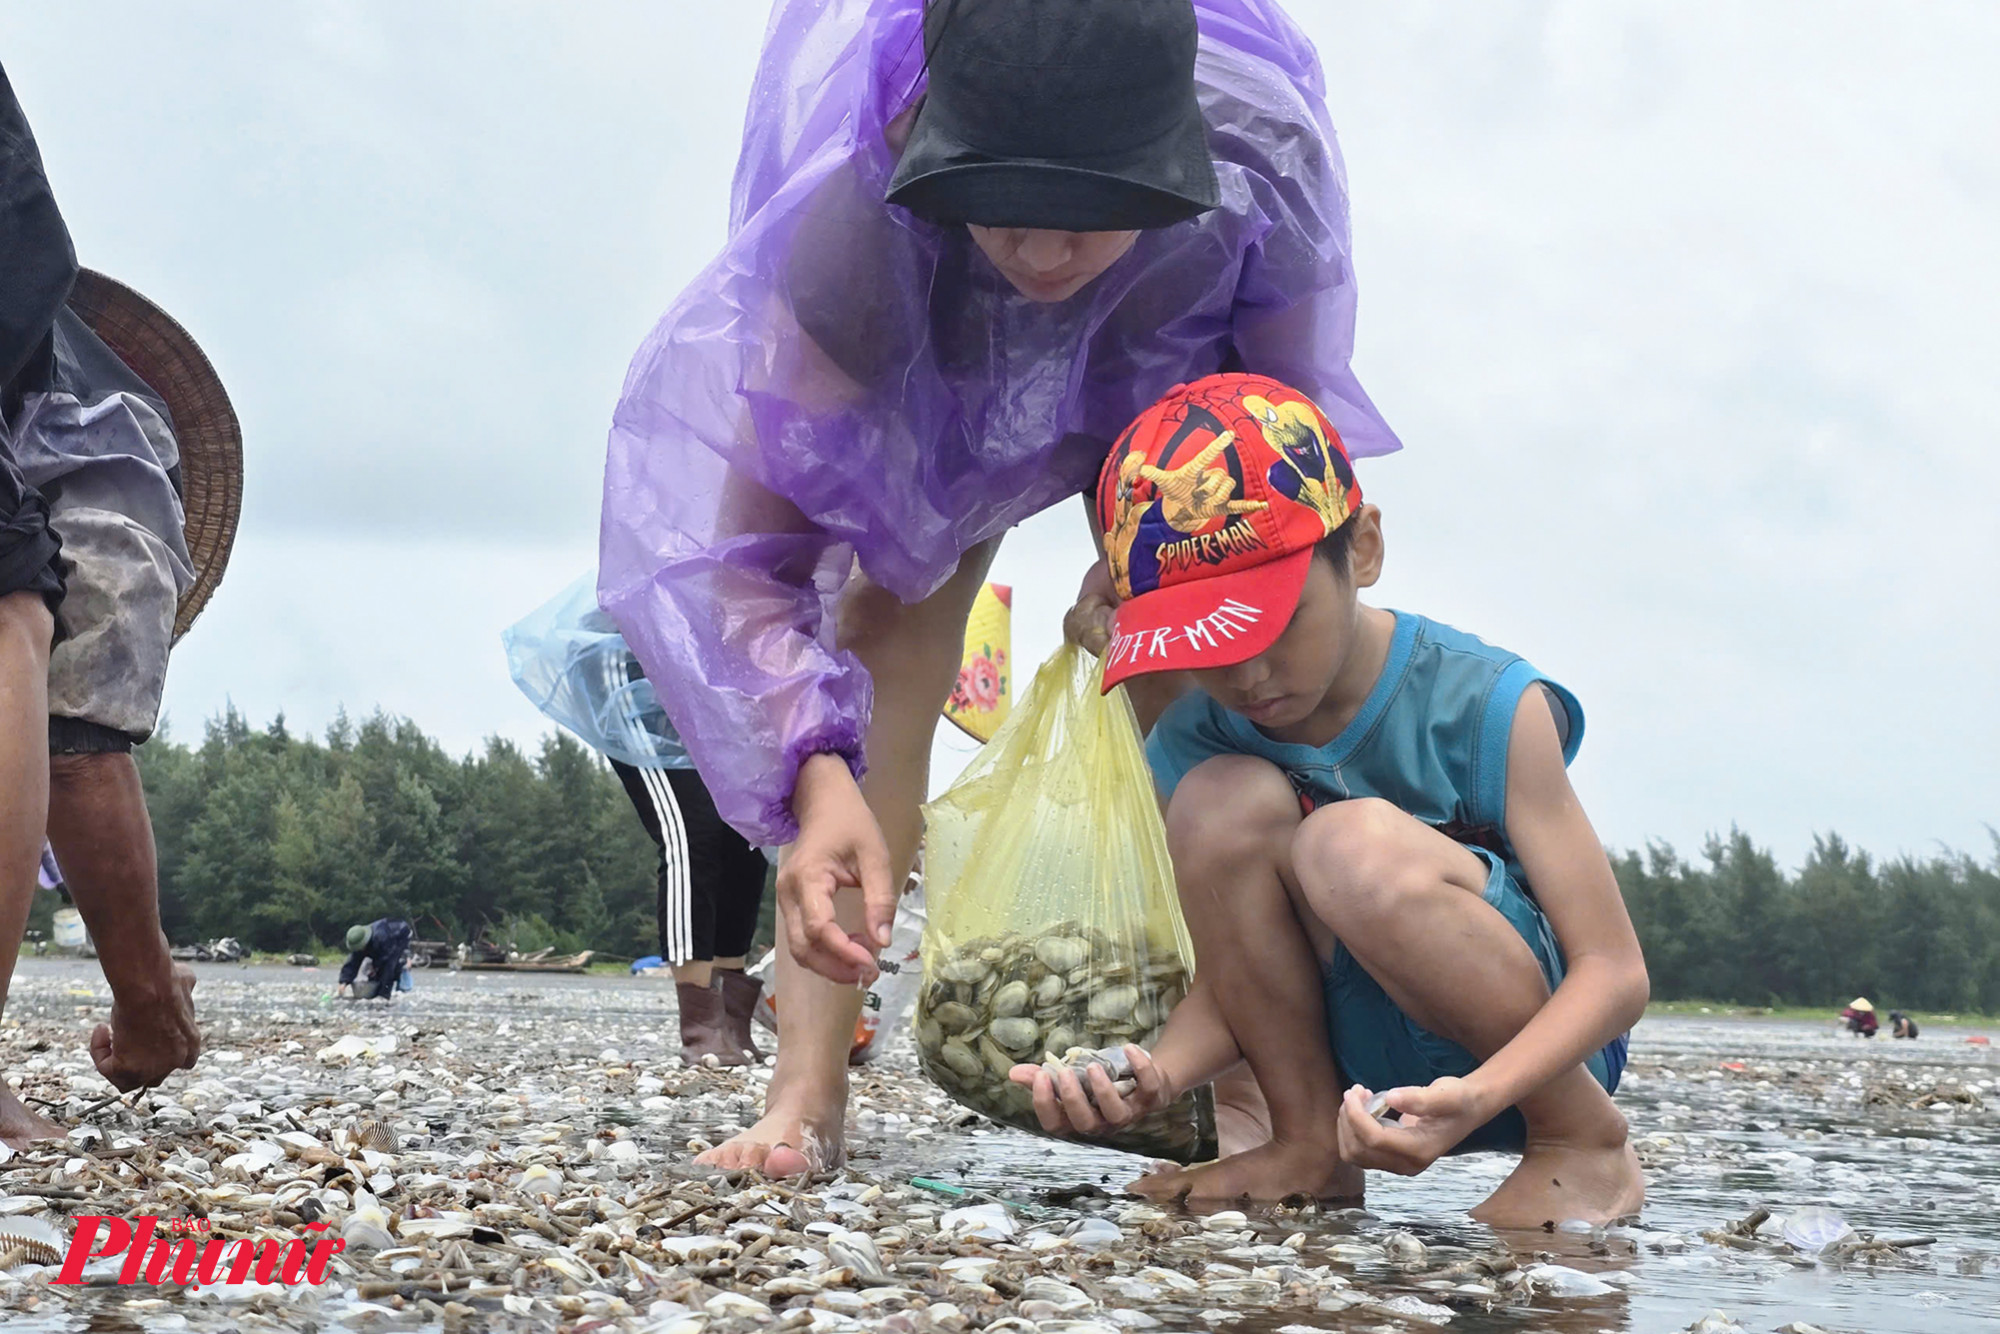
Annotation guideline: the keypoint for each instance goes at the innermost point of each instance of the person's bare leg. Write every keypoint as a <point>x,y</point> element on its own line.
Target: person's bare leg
<point>912,652</point>
<point>26,629</point>
<point>1408,903</point>
<point>1242,1116</point>
<point>1230,828</point>
<point>104,840</point>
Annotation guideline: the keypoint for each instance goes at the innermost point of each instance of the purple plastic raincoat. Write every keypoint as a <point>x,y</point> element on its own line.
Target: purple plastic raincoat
<point>846,382</point>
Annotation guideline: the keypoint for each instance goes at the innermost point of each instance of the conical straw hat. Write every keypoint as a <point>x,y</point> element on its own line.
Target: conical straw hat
<point>166,357</point>
<point>1860,1003</point>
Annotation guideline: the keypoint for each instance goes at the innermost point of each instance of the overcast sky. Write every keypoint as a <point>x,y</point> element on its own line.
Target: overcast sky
<point>1686,314</point>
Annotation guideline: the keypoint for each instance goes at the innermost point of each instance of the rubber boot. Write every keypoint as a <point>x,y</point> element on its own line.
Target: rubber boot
<point>739,1001</point>
<point>704,1026</point>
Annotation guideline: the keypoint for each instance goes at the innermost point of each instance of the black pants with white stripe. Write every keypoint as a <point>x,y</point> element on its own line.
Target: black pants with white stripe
<point>711,880</point>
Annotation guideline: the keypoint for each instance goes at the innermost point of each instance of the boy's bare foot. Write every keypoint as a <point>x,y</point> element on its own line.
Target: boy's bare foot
<point>20,1127</point>
<point>1242,1117</point>
<point>147,1040</point>
<point>1555,1182</point>
<point>802,1130</point>
<point>1269,1172</point>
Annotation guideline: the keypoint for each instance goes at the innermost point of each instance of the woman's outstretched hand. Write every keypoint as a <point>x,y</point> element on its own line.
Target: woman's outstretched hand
<point>839,846</point>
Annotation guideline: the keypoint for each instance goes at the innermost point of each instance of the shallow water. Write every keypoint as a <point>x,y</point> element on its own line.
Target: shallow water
<point>1729,1116</point>
<point>1790,1129</point>
<point>1787,1131</point>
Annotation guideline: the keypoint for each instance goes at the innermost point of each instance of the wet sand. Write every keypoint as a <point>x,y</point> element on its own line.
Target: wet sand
<point>513,1153</point>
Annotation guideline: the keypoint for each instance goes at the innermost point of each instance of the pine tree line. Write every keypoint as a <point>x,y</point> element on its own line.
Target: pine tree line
<point>1915,934</point>
<point>284,841</point>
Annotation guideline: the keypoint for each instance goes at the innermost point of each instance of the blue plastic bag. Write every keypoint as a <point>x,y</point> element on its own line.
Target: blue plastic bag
<point>405,982</point>
<point>570,661</point>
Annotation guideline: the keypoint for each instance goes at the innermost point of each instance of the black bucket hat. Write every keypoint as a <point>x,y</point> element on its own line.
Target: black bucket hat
<point>1075,115</point>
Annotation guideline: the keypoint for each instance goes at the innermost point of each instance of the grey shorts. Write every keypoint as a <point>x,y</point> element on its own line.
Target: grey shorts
<point>1380,1047</point>
<point>118,623</point>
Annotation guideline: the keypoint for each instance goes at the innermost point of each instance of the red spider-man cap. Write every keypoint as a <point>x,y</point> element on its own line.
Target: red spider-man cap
<point>1212,502</point>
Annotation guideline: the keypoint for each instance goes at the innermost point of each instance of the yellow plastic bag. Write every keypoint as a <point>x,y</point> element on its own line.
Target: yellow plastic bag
<point>1054,924</point>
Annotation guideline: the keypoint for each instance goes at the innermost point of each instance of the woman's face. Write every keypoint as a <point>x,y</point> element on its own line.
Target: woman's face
<point>1051,266</point>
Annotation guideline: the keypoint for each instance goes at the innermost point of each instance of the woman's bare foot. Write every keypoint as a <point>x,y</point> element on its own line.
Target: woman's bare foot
<point>1269,1172</point>
<point>148,1039</point>
<point>802,1130</point>
<point>1555,1182</point>
<point>20,1127</point>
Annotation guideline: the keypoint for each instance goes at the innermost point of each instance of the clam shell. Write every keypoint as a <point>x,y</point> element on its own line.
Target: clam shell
<point>857,1251</point>
<point>1814,1228</point>
<point>1011,1000</point>
<point>953,1017</point>
<point>1114,1003</point>
<point>965,970</point>
<point>1015,1035</point>
<point>990,1004</point>
<point>1404,1248</point>
<point>997,1060</point>
<point>367,1228</point>
<point>963,1060</point>
<point>1064,954</point>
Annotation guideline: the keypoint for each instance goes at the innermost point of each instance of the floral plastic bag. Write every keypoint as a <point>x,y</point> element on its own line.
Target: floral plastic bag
<point>1054,924</point>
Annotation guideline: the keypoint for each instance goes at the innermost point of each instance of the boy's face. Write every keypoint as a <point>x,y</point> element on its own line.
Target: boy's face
<point>1282,686</point>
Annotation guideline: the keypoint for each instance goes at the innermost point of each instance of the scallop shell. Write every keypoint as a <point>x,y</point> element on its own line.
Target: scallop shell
<point>36,1239</point>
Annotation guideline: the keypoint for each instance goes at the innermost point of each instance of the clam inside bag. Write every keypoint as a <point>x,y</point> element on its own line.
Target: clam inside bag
<point>1054,922</point>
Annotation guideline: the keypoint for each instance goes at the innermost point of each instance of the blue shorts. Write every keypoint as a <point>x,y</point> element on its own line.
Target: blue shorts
<point>1379,1047</point>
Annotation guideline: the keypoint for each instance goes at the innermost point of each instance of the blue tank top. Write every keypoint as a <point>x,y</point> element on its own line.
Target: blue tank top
<point>1431,738</point>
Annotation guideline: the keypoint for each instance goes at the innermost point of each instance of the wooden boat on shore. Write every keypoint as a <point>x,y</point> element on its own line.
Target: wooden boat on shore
<point>541,961</point>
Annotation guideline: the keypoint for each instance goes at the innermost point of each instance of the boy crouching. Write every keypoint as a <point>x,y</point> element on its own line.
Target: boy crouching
<point>1389,881</point>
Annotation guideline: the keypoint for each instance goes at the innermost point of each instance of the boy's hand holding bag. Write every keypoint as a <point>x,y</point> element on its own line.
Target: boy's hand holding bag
<point>1054,928</point>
